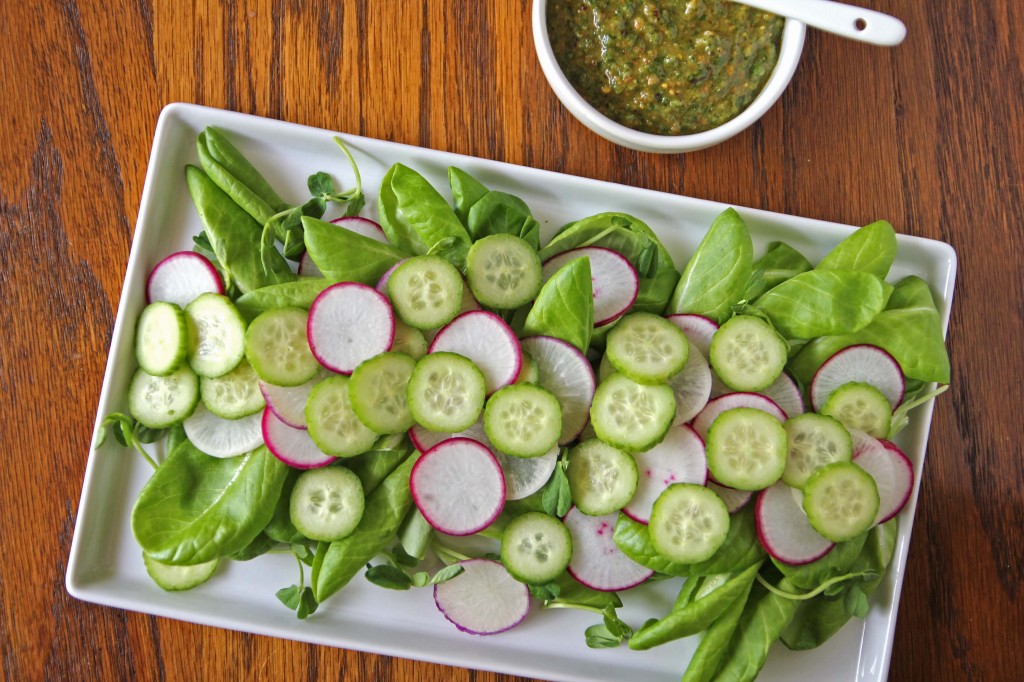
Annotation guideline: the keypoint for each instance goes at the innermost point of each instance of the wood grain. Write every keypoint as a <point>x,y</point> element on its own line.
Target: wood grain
<point>927,135</point>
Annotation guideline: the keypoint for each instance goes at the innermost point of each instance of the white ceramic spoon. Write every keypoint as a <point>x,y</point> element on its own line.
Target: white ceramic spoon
<point>848,21</point>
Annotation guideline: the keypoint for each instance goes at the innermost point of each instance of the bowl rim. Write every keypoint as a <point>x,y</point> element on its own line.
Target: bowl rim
<point>790,52</point>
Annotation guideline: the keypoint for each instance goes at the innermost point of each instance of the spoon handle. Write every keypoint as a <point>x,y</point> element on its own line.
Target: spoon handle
<point>848,21</point>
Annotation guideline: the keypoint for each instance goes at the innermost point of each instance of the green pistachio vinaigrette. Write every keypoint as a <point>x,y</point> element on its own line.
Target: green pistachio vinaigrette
<point>668,67</point>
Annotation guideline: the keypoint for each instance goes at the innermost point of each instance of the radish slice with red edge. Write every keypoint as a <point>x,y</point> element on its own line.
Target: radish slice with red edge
<point>863,363</point>
<point>691,386</point>
<point>567,373</point>
<point>783,528</point>
<point>181,277</point>
<point>734,499</point>
<point>614,280</point>
<point>458,486</point>
<point>786,395</point>
<point>349,323</point>
<point>484,338</point>
<point>484,599</point>
<point>220,437</point>
<point>698,329</point>
<point>679,458</point>
<point>894,476</point>
<point>730,401</point>
<point>597,562</point>
<point>289,402</point>
<point>291,445</point>
<point>382,283</point>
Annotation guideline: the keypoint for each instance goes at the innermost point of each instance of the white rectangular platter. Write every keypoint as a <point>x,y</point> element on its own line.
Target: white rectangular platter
<point>106,567</point>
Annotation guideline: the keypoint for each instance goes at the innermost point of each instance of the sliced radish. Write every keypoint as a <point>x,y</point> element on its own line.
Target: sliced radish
<point>484,338</point>
<point>219,437</point>
<point>730,401</point>
<point>382,283</point>
<point>349,323</point>
<point>292,445</point>
<point>597,561</point>
<point>734,499</point>
<point>786,395</point>
<point>484,599</point>
<point>679,458</point>
<point>289,402</point>
<point>565,372</point>
<point>181,277</point>
<point>783,528</point>
<point>458,486</point>
<point>691,386</point>
<point>614,279</point>
<point>698,329</point>
<point>866,364</point>
<point>894,475</point>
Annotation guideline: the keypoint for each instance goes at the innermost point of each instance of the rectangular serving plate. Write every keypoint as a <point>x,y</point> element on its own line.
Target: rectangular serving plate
<point>105,564</point>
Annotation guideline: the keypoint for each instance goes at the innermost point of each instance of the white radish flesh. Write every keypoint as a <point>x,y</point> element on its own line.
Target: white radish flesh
<point>484,599</point>
<point>349,323</point>
<point>597,561</point>
<point>484,338</point>
<point>289,402</point>
<point>219,437</point>
<point>865,364</point>
<point>613,278</point>
<point>181,277</point>
<point>679,458</point>
<point>894,476</point>
<point>691,386</point>
<point>458,486</point>
<point>292,445</point>
<point>731,401</point>
<point>565,372</point>
<point>783,528</point>
<point>698,329</point>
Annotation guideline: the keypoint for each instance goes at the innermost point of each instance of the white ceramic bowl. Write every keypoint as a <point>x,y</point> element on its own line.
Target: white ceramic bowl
<point>789,55</point>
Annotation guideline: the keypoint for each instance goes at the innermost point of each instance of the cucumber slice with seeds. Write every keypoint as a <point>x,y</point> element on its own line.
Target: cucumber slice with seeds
<point>161,339</point>
<point>446,392</point>
<point>327,504</point>
<point>647,348</point>
<point>688,523</point>
<point>746,449</point>
<point>160,402</point>
<point>632,416</point>
<point>841,501</point>
<point>523,420</point>
<point>860,406</point>
<point>379,388</point>
<point>503,271</point>
<point>747,353</point>
<point>278,349</point>
<point>332,422</point>
<point>602,479</point>
<point>536,548</point>
<point>177,578</point>
<point>216,335</point>
<point>234,395</point>
<point>814,440</point>
<point>426,291</point>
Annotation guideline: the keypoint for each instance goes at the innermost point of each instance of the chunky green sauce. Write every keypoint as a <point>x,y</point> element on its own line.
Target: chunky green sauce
<point>668,67</point>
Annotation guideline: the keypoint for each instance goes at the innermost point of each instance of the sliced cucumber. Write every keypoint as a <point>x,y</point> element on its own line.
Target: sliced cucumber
<point>446,392</point>
<point>746,449</point>
<point>536,548</point>
<point>529,373</point>
<point>841,501</point>
<point>523,420</point>
<point>332,422</point>
<point>235,395</point>
<point>176,578</point>
<point>161,338</point>
<point>379,388</point>
<point>814,440</point>
<point>862,407</point>
<point>632,416</point>
<point>426,291</point>
<point>503,271</point>
<point>216,335</point>
<point>748,354</point>
<point>278,349</point>
<point>409,340</point>
<point>602,479</point>
<point>327,504</point>
<point>160,402</point>
<point>688,523</point>
<point>647,348</point>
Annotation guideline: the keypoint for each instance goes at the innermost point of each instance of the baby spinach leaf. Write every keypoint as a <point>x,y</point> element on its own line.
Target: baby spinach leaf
<point>345,256</point>
<point>837,562</point>
<point>385,508</point>
<point>708,656</point>
<point>635,241</point>
<point>197,508</point>
<point>717,274</point>
<point>871,249</point>
<point>466,191</point>
<point>415,216</point>
<point>376,465</point>
<point>778,264</point>
<point>415,534</point>
<point>564,308</point>
<point>698,614</point>
<point>389,577</point>
<point>824,302</point>
<point>764,618</point>
<point>260,545</point>
<point>234,236</point>
<point>298,294</point>
<point>501,213</point>
<point>556,496</point>
<point>280,527</point>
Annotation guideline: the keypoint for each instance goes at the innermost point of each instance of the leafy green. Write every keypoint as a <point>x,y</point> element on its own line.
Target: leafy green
<point>564,308</point>
<point>298,294</point>
<point>779,263</point>
<point>764,618</point>
<point>635,241</point>
<point>823,302</point>
<point>376,465</point>
<point>415,217</point>
<point>196,508</point>
<point>415,534</point>
<point>870,249</point>
<point>260,545</point>
<point>466,191</point>
<point>345,256</point>
<point>501,213</point>
<point>717,274</point>
<point>236,176</point>
<point>556,496</point>
<point>713,643</point>
<point>126,432</point>
<point>280,527</point>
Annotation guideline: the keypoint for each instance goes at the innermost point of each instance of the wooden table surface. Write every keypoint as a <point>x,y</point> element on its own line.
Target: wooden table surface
<point>927,135</point>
